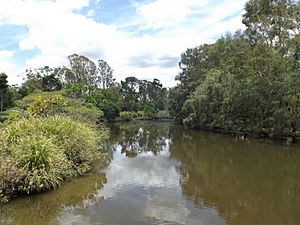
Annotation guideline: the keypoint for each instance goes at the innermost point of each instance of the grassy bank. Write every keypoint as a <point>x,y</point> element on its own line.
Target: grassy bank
<point>39,153</point>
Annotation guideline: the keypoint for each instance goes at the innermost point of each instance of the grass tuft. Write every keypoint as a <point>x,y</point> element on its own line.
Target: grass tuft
<point>38,153</point>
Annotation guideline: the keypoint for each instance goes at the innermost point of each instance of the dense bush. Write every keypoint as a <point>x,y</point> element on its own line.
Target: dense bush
<point>53,103</point>
<point>247,81</point>
<point>163,114</point>
<point>128,116</point>
<point>79,110</point>
<point>37,154</point>
<point>106,100</point>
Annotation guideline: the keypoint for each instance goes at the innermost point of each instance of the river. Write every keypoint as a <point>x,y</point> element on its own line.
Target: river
<point>161,173</point>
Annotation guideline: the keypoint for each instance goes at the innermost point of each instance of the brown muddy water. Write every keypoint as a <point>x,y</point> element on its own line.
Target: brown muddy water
<point>161,173</point>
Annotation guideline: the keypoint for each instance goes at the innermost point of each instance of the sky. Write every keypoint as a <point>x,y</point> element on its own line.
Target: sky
<point>141,38</point>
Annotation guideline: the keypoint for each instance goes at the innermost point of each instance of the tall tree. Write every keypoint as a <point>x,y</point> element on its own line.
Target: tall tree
<point>129,89</point>
<point>273,21</point>
<point>3,89</point>
<point>105,78</point>
<point>82,70</point>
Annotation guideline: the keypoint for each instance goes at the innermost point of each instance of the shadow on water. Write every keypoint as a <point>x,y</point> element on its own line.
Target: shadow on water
<point>249,182</point>
<point>46,208</point>
<point>161,173</point>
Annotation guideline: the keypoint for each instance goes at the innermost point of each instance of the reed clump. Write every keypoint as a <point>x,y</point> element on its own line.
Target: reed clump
<point>39,153</point>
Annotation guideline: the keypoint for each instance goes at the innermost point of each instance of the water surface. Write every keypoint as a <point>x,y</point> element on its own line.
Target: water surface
<point>161,173</point>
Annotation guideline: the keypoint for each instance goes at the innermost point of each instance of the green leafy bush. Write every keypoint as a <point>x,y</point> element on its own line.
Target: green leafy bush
<point>163,113</point>
<point>126,116</point>
<point>37,154</point>
<point>53,103</point>
<point>141,114</point>
<point>79,110</point>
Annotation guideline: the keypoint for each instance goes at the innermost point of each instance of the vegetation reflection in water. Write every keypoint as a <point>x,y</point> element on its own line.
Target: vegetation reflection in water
<point>163,174</point>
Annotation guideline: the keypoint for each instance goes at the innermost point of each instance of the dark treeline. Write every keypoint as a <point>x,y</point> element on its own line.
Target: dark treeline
<point>248,81</point>
<point>93,83</point>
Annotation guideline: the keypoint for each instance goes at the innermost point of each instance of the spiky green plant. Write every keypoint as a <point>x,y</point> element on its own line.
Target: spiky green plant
<point>37,154</point>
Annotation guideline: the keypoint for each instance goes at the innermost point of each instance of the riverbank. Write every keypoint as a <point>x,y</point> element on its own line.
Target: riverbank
<point>289,137</point>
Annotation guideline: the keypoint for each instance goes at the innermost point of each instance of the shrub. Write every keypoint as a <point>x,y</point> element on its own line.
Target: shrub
<point>79,110</point>
<point>53,103</point>
<point>163,113</point>
<point>37,154</point>
<point>141,114</point>
<point>111,111</point>
<point>42,103</point>
<point>126,116</point>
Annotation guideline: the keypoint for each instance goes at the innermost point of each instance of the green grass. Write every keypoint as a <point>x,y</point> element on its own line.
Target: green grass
<point>38,154</point>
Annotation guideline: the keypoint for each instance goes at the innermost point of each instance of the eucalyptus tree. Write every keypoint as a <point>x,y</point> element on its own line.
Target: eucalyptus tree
<point>105,74</point>
<point>275,22</point>
<point>82,70</point>
<point>129,90</point>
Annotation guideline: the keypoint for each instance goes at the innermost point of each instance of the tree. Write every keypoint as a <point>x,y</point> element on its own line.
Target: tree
<point>105,78</point>
<point>76,90</point>
<point>107,100</point>
<point>247,81</point>
<point>129,90</point>
<point>43,78</point>
<point>3,89</point>
<point>82,70</point>
<point>194,64</point>
<point>273,21</point>
<point>157,95</point>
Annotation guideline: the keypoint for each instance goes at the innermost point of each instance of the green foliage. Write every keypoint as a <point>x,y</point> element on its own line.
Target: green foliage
<point>207,100</point>
<point>82,111</point>
<point>128,116</point>
<point>163,114</point>
<point>82,70</point>
<point>37,154</point>
<point>43,78</point>
<point>147,96</point>
<point>3,90</point>
<point>51,83</point>
<point>76,90</point>
<point>105,77</point>
<point>107,100</point>
<point>274,22</point>
<point>111,111</point>
<point>148,108</point>
<point>247,81</point>
<point>129,90</point>
<point>53,103</point>
<point>91,84</point>
<point>141,114</point>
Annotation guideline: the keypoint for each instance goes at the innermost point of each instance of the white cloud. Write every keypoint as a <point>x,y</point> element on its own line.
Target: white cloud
<point>10,68</point>
<point>145,171</point>
<point>91,13</point>
<point>163,13</point>
<point>56,31</point>
<point>6,54</point>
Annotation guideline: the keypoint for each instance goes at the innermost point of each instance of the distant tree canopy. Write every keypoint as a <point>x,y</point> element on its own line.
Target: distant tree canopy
<point>93,83</point>
<point>149,96</point>
<point>247,81</point>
